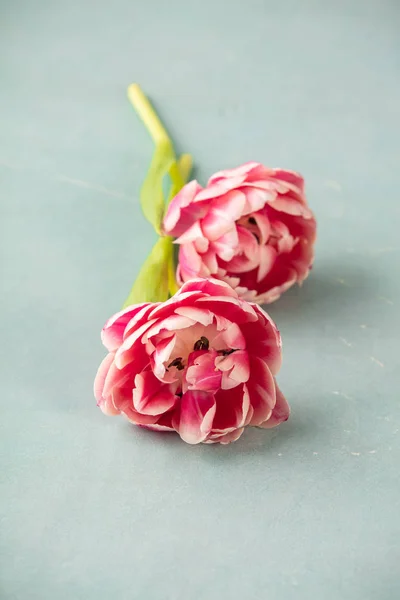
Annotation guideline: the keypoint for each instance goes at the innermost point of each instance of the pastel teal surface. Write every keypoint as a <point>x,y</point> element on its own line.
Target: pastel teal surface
<point>95,509</point>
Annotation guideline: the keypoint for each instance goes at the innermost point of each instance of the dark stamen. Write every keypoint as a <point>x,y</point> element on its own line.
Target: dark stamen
<point>177,362</point>
<point>202,344</point>
<point>252,221</point>
<point>226,352</point>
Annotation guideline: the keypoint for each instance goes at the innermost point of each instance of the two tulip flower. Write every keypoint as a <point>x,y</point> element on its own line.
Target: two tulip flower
<point>202,360</point>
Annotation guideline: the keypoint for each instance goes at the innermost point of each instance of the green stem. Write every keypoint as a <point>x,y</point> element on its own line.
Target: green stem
<point>148,115</point>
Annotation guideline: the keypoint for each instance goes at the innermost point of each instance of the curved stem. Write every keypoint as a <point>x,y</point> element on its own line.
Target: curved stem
<point>185,163</point>
<point>148,115</point>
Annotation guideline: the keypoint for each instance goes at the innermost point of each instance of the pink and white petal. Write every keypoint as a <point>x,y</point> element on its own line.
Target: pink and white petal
<point>286,244</point>
<point>227,382</point>
<point>164,423</point>
<point>182,212</point>
<point>290,206</point>
<point>232,410</point>
<point>261,388</point>
<point>171,323</point>
<point>191,234</point>
<point>264,340</point>
<point>205,317</point>
<point>128,350</point>
<point>237,311</point>
<point>220,187</point>
<point>237,364</point>
<point>232,203</point>
<point>216,223</point>
<point>227,245</point>
<point>230,338</point>
<point>248,257</point>
<point>256,198</point>
<point>201,373</point>
<point>302,258</point>
<point>242,170</point>
<point>119,400</point>
<point>280,412</point>
<point>209,260</point>
<point>190,262</point>
<point>267,260</point>
<point>138,419</point>
<point>233,281</point>
<point>286,241</point>
<point>261,173</point>
<point>195,419</point>
<point>101,376</point>
<point>167,309</point>
<point>263,224</point>
<point>150,396</point>
<point>292,178</point>
<point>112,334</point>
<point>201,245</point>
<point>162,354</point>
<point>208,287</point>
<point>117,378</point>
<point>222,323</point>
<point>228,438</point>
<point>246,294</point>
<point>140,318</point>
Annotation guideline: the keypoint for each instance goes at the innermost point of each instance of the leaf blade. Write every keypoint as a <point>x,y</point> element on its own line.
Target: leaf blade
<point>154,279</point>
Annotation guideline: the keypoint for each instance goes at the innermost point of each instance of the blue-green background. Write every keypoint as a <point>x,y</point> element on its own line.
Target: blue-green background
<point>94,509</point>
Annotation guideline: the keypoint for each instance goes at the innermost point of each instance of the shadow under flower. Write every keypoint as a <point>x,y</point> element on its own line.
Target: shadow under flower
<point>254,440</point>
<point>330,289</point>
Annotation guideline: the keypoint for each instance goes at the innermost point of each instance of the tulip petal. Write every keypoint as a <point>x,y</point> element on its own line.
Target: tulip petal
<point>112,334</point>
<point>196,416</point>
<point>263,340</point>
<point>230,338</point>
<point>227,245</point>
<point>128,350</point>
<point>256,198</point>
<point>205,317</point>
<point>267,260</point>
<point>236,365</point>
<point>99,382</point>
<point>235,310</point>
<point>261,388</point>
<point>162,354</point>
<point>171,323</point>
<point>226,438</point>
<point>164,423</point>
<point>140,318</point>
<point>209,287</point>
<point>291,206</point>
<point>244,169</point>
<point>201,373</point>
<point>190,262</point>
<point>182,211</point>
<point>216,223</point>
<point>192,234</point>
<point>150,396</point>
<point>220,187</point>
<point>232,407</point>
<point>280,412</point>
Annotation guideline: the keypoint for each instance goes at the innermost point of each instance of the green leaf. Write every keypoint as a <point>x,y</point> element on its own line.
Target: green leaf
<point>151,194</point>
<point>156,279</point>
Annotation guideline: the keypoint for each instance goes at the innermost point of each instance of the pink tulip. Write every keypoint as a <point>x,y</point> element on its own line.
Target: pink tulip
<point>251,227</point>
<point>202,364</point>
